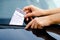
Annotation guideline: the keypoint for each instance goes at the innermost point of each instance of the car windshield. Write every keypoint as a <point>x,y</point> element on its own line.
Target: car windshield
<point>7,8</point>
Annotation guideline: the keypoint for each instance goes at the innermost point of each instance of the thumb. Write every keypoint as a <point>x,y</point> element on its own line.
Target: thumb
<point>28,15</point>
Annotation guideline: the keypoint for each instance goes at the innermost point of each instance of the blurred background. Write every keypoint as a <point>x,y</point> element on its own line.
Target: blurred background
<point>7,8</point>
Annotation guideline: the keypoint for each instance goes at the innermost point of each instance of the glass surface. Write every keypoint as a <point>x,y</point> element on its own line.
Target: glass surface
<point>7,8</point>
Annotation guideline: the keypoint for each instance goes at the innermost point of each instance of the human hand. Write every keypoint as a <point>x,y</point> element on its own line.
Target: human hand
<point>39,23</point>
<point>33,11</point>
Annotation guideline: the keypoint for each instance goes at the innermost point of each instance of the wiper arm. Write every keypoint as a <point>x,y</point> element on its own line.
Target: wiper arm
<point>6,26</point>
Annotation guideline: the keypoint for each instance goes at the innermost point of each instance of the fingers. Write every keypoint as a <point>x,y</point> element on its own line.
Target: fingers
<point>28,15</point>
<point>30,7</point>
<point>28,25</point>
<point>33,25</point>
<point>26,8</point>
<point>29,11</point>
<point>39,27</point>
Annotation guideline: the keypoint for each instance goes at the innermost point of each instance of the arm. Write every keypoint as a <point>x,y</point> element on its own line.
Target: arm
<point>52,11</point>
<point>40,22</point>
<point>35,11</point>
<point>55,18</point>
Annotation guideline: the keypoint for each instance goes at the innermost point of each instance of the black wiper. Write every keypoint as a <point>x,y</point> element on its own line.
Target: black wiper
<point>6,26</point>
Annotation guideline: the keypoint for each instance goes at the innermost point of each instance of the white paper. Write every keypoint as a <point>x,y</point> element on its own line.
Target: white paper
<point>17,18</point>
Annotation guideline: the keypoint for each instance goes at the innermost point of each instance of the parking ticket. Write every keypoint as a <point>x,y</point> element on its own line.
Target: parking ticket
<point>17,18</point>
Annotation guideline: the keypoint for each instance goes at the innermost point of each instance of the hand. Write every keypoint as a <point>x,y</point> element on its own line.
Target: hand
<point>39,23</point>
<point>33,11</point>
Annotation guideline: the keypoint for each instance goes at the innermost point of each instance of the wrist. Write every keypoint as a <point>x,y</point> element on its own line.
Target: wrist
<point>51,20</point>
<point>49,12</point>
<point>46,21</point>
<point>46,12</point>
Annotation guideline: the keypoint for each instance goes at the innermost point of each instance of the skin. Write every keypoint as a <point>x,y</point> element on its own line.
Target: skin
<point>35,11</point>
<point>40,22</point>
<point>52,17</point>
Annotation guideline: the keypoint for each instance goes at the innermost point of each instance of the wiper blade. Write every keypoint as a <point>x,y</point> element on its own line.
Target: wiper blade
<point>6,26</point>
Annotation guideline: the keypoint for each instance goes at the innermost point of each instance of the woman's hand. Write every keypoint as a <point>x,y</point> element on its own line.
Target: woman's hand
<point>33,11</point>
<point>39,23</point>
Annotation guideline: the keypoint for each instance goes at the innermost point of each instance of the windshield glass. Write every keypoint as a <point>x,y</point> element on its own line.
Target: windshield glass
<point>7,8</point>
